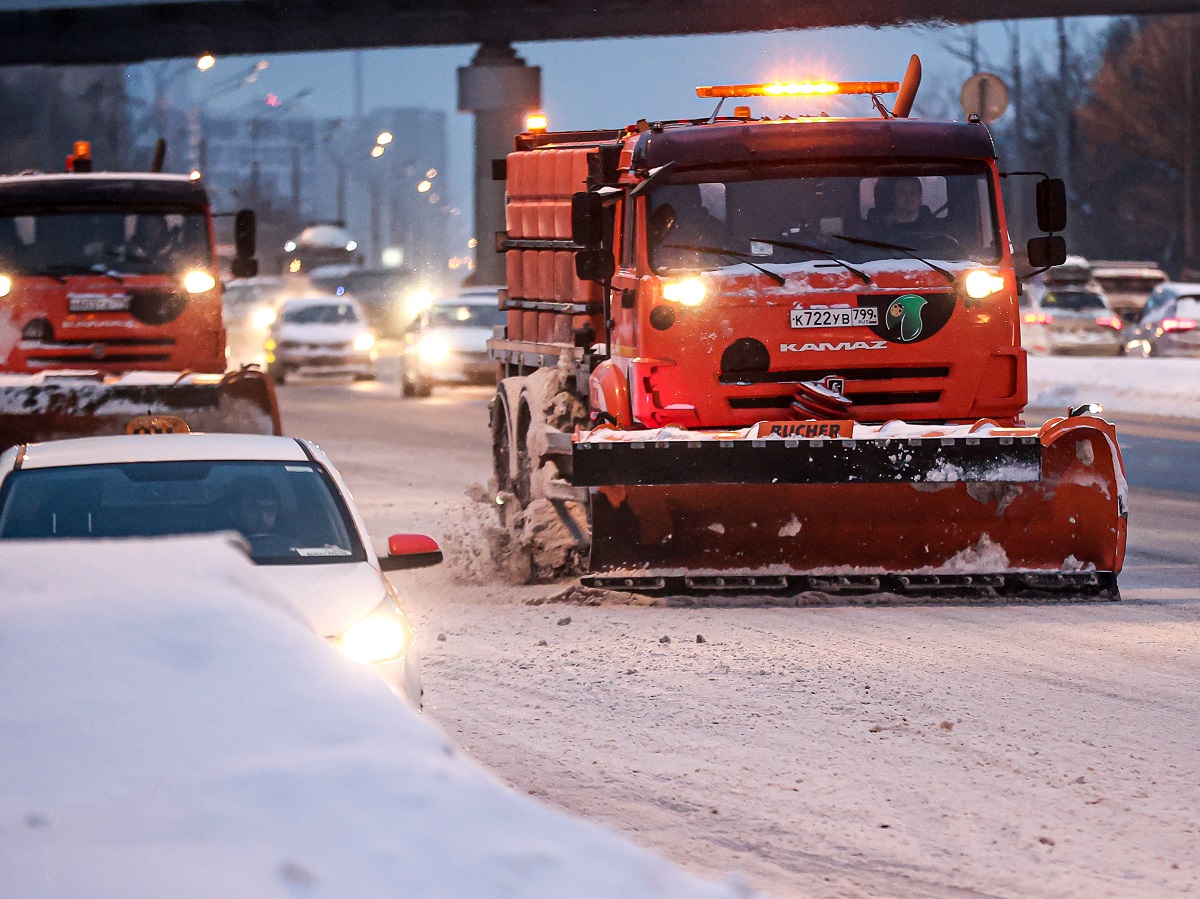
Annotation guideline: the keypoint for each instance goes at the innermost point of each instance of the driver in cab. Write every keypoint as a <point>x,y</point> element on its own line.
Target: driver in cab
<point>900,212</point>
<point>255,507</point>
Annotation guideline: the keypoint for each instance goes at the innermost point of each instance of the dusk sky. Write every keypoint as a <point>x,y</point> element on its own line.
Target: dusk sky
<point>612,82</point>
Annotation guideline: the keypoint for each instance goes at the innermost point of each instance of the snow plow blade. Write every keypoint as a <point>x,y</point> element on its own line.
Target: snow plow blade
<point>58,405</point>
<point>950,511</point>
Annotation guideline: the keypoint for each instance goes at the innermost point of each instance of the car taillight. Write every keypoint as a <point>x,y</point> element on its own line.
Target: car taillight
<point>1109,321</point>
<point>1179,324</point>
<point>1039,318</point>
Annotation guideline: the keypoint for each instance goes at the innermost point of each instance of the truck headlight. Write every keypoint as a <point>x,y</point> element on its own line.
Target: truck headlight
<point>364,341</point>
<point>5,285</point>
<point>688,292</point>
<point>433,350</point>
<point>381,636</point>
<point>263,318</point>
<point>980,284</point>
<point>198,281</point>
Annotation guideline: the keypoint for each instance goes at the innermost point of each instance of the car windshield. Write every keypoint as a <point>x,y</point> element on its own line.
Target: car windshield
<point>321,314</point>
<point>121,242</point>
<point>451,315</point>
<point>937,211</point>
<point>1073,300</point>
<point>241,296</point>
<point>289,513</point>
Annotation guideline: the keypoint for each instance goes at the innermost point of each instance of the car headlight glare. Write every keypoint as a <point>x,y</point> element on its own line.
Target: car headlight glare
<point>980,284</point>
<point>688,292</point>
<point>5,285</point>
<point>364,341</point>
<point>263,318</point>
<point>433,350</point>
<point>198,281</point>
<point>378,637</point>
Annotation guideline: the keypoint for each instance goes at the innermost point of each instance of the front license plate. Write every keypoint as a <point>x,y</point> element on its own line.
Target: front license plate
<point>835,318</point>
<point>97,302</point>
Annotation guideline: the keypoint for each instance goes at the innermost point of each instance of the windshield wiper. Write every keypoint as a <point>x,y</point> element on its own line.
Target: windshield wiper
<point>819,251</point>
<point>57,271</point>
<point>731,254</point>
<point>907,251</point>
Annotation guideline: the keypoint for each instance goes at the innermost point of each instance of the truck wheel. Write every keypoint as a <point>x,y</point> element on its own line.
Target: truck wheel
<point>501,446</point>
<point>278,373</point>
<point>407,389</point>
<point>423,389</point>
<point>522,486</point>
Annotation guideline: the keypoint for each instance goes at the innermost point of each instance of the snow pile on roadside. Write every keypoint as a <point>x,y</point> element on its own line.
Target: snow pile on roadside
<point>165,731</point>
<point>1122,384</point>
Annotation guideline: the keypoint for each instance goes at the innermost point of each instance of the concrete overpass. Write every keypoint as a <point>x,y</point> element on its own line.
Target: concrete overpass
<point>109,31</point>
<point>498,88</point>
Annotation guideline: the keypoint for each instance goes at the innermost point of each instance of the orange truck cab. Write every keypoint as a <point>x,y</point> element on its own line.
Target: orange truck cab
<point>110,303</point>
<point>734,292</point>
<point>110,272</point>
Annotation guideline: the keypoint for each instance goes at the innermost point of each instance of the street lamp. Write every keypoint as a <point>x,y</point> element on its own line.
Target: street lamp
<point>424,187</point>
<point>385,138</point>
<point>376,152</point>
<point>206,62</point>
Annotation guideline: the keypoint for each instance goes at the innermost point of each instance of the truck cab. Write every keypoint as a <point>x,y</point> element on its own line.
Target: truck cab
<point>108,272</point>
<point>779,253</point>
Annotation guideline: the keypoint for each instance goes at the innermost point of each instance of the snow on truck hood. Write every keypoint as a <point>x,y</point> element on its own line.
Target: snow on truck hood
<point>167,732</point>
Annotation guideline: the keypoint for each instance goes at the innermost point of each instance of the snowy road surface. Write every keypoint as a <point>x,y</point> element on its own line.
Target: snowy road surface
<point>930,751</point>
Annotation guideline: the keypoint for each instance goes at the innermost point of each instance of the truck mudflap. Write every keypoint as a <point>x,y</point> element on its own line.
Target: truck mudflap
<point>61,404</point>
<point>910,509</point>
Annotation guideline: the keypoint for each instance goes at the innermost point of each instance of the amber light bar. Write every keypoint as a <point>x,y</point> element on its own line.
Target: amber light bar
<point>798,89</point>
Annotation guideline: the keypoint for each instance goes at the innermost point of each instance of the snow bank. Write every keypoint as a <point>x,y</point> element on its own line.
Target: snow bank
<point>1122,384</point>
<point>165,731</point>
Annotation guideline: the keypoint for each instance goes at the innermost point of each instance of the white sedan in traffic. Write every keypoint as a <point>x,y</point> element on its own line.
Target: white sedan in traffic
<point>281,495</point>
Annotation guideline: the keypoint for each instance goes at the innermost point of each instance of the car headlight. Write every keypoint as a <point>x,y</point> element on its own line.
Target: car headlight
<point>364,341</point>
<point>198,281</point>
<point>5,285</point>
<point>433,350</point>
<point>980,284</point>
<point>381,636</point>
<point>263,317</point>
<point>688,292</point>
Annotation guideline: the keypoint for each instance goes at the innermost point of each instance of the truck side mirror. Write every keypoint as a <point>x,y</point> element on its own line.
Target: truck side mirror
<point>1052,205</point>
<point>1045,252</point>
<point>245,243</point>
<point>587,219</point>
<point>594,265</point>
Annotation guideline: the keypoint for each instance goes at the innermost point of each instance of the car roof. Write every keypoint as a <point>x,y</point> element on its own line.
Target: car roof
<point>469,299</point>
<point>328,299</point>
<point>1181,287</point>
<point>163,448</point>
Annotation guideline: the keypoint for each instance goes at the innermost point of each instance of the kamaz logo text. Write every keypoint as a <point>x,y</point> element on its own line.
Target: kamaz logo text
<point>827,347</point>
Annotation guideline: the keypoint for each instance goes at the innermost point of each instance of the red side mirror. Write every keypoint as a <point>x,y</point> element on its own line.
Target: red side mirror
<point>410,551</point>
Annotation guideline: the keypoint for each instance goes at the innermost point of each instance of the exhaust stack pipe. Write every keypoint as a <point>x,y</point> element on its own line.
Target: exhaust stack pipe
<point>908,88</point>
<point>160,153</point>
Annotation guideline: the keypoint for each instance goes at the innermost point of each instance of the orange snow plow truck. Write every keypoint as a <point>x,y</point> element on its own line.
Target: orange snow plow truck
<point>783,354</point>
<point>110,306</point>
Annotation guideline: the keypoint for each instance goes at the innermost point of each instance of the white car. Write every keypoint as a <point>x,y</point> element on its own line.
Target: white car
<point>281,494</point>
<point>327,334</point>
<point>447,343</point>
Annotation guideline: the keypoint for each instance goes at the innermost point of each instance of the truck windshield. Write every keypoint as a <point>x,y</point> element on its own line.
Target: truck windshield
<point>289,513</point>
<point>942,212</point>
<point>65,243</point>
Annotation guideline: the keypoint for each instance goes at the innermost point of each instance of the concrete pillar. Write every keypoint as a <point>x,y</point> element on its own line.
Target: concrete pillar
<point>500,89</point>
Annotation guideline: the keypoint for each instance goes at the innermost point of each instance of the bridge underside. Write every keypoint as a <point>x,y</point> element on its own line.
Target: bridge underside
<point>134,32</point>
